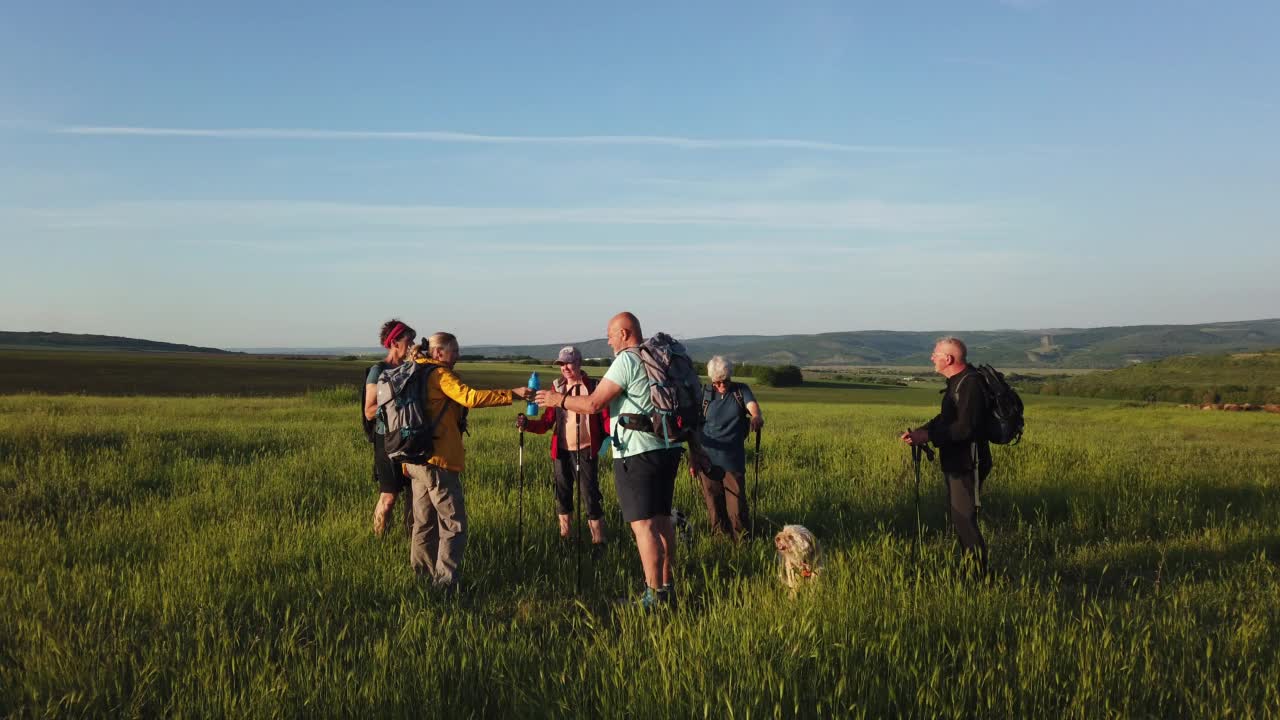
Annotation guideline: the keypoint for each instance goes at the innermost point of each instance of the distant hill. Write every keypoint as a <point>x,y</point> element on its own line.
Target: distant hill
<point>1066,348</point>
<point>72,341</point>
<point>1109,347</point>
<point>331,351</point>
<point>1247,377</point>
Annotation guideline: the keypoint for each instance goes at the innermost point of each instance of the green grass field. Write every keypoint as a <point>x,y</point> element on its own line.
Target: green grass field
<point>211,556</point>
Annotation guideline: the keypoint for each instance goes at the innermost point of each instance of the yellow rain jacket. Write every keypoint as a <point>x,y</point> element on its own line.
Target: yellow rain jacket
<point>444,385</point>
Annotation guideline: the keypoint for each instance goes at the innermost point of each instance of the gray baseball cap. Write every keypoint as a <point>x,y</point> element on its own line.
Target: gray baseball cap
<point>569,355</point>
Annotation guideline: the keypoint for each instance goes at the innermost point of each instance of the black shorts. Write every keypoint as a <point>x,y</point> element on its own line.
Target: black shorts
<point>646,483</point>
<point>386,473</point>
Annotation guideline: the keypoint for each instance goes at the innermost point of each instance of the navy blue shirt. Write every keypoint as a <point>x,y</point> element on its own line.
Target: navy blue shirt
<point>726,427</point>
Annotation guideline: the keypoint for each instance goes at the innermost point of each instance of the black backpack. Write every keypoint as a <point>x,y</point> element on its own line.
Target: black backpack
<point>1004,422</point>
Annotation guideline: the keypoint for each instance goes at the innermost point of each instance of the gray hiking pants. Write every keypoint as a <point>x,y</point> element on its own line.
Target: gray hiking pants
<point>964,515</point>
<point>439,534</point>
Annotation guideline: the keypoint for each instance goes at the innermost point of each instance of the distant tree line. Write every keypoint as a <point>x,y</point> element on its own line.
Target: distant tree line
<point>771,375</point>
<point>1256,394</point>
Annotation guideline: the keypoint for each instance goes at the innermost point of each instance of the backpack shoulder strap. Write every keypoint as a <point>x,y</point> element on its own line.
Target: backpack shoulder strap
<point>426,374</point>
<point>706,398</point>
<point>737,395</point>
<point>955,394</point>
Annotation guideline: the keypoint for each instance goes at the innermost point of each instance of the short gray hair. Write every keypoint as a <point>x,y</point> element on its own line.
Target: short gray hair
<point>719,368</point>
<point>957,343</point>
<point>442,341</point>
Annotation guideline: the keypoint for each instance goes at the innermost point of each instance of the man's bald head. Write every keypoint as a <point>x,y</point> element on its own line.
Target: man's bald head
<point>624,332</point>
<point>625,320</point>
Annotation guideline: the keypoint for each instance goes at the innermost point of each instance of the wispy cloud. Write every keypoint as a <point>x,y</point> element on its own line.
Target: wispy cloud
<point>876,215</point>
<point>445,136</point>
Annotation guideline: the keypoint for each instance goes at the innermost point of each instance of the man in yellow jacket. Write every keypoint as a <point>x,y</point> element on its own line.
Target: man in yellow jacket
<point>439,534</point>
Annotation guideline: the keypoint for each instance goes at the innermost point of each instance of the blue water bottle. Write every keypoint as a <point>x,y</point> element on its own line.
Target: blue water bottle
<point>531,408</point>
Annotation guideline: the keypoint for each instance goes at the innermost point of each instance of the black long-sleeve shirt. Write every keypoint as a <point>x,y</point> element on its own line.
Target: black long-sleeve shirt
<point>959,425</point>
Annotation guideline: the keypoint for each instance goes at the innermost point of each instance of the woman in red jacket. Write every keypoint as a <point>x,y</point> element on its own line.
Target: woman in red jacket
<point>575,445</point>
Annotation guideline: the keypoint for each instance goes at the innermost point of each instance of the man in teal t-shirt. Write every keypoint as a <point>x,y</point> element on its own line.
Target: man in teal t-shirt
<point>644,465</point>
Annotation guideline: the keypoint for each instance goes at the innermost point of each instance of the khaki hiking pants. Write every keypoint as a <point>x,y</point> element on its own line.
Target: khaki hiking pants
<point>439,534</point>
<point>725,493</point>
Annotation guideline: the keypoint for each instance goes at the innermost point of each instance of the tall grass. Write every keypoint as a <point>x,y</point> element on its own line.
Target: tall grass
<point>212,557</point>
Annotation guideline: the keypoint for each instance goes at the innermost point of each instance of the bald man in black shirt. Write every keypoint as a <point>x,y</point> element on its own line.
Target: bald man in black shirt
<point>957,433</point>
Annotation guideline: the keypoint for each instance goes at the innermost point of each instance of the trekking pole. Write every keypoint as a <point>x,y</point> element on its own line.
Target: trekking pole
<point>977,479</point>
<point>916,452</point>
<point>755,487</point>
<point>520,522</point>
<point>577,511</point>
<point>915,539</point>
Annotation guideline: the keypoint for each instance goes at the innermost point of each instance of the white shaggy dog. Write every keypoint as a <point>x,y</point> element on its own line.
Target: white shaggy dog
<point>799,559</point>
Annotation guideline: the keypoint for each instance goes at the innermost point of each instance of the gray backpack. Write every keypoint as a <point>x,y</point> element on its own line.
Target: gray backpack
<point>402,394</point>
<point>674,389</point>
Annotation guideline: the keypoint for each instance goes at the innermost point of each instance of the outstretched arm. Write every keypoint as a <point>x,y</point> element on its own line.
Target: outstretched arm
<point>599,399</point>
<point>456,390</point>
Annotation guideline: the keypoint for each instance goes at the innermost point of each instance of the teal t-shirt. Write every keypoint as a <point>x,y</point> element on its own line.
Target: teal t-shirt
<point>628,373</point>
<point>380,421</point>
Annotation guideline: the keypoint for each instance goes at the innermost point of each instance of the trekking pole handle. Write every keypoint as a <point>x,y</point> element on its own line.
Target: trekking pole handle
<point>924,448</point>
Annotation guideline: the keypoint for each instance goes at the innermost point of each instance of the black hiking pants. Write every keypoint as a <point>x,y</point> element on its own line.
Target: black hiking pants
<point>586,476</point>
<point>964,515</point>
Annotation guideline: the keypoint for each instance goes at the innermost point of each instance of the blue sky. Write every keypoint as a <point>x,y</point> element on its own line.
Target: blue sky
<point>282,174</point>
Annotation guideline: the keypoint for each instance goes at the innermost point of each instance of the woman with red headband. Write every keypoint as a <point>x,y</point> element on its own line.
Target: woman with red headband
<point>397,338</point>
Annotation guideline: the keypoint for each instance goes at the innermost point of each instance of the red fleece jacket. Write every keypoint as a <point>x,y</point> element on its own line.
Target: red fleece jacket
<point>552,419</point>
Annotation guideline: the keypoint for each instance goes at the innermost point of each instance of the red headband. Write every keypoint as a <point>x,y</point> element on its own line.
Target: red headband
<point>391,336</point>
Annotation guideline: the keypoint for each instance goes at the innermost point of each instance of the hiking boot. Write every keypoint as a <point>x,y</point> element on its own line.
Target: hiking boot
<point>649,600</point>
